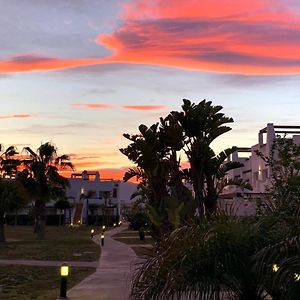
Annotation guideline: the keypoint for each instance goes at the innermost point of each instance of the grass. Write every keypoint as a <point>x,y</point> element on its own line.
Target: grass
<point>143,251</point>
<point>40,283</point>
<point>132,238</point>
<point>61,243</point>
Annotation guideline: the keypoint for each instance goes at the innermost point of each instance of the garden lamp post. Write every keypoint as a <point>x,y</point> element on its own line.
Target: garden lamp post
<point>102,239</point>
<point>64,272</point>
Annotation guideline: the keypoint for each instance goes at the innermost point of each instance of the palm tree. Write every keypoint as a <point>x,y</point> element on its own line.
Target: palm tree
<point>210,260</point>
<point>202,123</point>
<point>149,154</point>
<point>8,162</point>
<point>215,170</point>
<point>42,168</point>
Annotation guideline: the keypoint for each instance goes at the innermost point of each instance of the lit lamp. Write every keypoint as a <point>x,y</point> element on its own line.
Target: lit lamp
<point>275,268</point>
<point>92,233</point>
<point>297,277</point>
<point>115,225</point>
<point>64,272</point>
<point>102,239</point>
<point>120,223</point>
<point>103,227</point>
<point>79,222</point>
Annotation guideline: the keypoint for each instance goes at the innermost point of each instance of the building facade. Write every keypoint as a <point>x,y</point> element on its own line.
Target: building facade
<point>255,170</point>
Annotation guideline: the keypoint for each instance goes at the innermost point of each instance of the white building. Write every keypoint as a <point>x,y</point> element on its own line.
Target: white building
<point>92,197</point>
<point>255,171</point>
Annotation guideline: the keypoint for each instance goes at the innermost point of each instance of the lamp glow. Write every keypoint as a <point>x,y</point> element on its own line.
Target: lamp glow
<point>64,270</point>
<point>297,277</point>
<point>103,227</point>
<point>102,236</point>
<point>92,230</point>
<point>275,267</point>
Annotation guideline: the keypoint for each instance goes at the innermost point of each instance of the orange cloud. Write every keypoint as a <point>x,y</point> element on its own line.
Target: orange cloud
<point>33,62</point>
<point>247,37</point>
<point>93,105</point>
<point>22,116</point>
<point>234,36</point>
<point>144,107</point>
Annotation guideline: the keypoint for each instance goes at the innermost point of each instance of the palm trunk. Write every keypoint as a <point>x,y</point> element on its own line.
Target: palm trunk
<point>2,229</point>
<point>40,219</point>
<point>198,185</point>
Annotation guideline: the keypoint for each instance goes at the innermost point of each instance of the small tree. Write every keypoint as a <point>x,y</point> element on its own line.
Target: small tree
<point>62,205</point>
<point>12,196</point>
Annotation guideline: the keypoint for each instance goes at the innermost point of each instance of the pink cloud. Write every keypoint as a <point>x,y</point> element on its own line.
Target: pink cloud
<point>234,36</point>
<point>93,105</point>
<point>144,107</point>
<point>22,116</point>
<point>247,37</point>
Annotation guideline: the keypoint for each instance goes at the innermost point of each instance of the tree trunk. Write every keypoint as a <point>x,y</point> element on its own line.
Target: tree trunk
<point>40,219</point>
<point>16,218</point>
<point>2,229</point>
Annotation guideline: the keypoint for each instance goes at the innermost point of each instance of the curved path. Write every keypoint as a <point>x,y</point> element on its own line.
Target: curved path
<point>111,281</point>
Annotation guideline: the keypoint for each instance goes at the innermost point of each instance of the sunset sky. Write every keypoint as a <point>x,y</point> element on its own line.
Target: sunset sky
<point>80,73</point>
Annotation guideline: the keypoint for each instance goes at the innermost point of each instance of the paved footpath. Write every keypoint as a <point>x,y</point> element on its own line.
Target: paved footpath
<point>111,281</point>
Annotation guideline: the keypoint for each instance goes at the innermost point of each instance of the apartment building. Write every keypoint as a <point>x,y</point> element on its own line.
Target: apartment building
<point>255,170</point>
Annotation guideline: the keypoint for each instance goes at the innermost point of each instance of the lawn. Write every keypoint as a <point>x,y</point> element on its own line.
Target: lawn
<point>61,243</point>
<point>131,237</point>
<point>42,283</point>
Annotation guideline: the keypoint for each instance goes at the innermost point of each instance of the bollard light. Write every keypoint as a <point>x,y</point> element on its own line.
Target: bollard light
<point>103,227</point>
<point>115,225</point>
<point>92,233</point>
<point>120,223</point>
<point>102,239</point>
<point>78,222</point>
<point>64,273</point>
<point>71,224</point>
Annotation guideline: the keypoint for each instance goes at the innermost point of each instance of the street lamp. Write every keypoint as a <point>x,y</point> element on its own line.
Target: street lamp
<point>64,272</point>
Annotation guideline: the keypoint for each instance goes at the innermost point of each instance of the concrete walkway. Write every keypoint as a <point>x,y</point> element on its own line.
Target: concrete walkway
<point>111,281</point>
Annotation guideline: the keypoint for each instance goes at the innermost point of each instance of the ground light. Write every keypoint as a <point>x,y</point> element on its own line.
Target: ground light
<point>275,267</point>
<point>102,239</point>
<point>92,233</point>
<point>64,273</point>
<point>115,225</point>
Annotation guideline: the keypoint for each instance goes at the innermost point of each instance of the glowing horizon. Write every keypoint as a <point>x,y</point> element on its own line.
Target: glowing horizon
<point>82,74</point>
